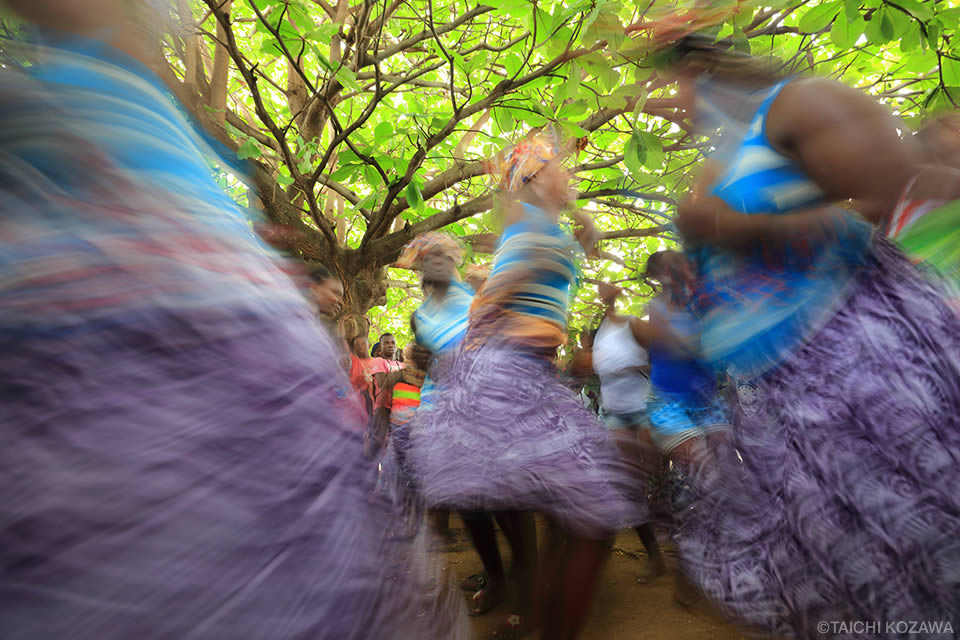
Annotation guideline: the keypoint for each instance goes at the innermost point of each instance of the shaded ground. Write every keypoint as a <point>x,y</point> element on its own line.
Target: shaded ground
<point>623,609</point>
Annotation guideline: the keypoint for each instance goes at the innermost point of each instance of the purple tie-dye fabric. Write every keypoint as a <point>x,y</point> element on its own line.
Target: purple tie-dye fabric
<point>506,435</point>
<point>846,505</point>
<point>179,456</point>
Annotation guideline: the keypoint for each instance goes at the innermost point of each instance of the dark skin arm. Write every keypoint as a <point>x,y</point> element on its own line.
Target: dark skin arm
<point>646,332</point>
<point>843,140</point>
<point>381,420</point>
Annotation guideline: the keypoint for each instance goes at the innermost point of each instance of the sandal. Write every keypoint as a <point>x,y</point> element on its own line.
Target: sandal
<point>485,600</point>
<point>513,628</point>
<point>476,582</point>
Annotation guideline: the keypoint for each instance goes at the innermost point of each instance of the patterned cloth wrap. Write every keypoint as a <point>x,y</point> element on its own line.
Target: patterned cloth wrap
<point>844,506</point>
<point>411,257</point>
<point>520,163</point>
<point>178,455</point>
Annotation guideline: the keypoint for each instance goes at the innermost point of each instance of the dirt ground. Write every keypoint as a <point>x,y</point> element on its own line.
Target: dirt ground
<point>623,608</point>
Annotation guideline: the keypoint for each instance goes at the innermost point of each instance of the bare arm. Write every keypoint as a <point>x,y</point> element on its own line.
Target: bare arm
<point>844,140</point>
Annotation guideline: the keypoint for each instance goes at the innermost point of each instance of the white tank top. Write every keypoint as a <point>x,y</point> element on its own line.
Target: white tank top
<point>616,357</point>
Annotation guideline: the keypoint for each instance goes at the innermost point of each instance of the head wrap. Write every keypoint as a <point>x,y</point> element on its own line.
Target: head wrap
<point>411,257</point>
<point>518,165</point>
<point>478,271</point>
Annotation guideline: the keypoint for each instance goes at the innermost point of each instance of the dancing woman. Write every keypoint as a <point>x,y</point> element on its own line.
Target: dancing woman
<point>506,435</point>
<point>440,325</point>
<point>622,365</point>
<point>845,505</point>
<point>177,455</point>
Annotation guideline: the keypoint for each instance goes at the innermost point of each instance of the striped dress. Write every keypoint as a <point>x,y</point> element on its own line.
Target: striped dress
<point>441,326</point>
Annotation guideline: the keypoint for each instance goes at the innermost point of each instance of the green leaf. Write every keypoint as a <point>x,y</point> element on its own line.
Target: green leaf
<point>879,29</point>
<point>740,42</point>
<point>950,70</point>
<point>655,154</point>
<point>512,63</point>
<point>610,79</point>
<point>414,196</point>
<point>934,29</point>
<point>348,78</point>
<point>911,40</point>
<point>917,9</point>
<point>504,119</point>
<point>819,17</point>
<point>572,109</point>
<point>248,149</point>
<point>345,172</point>
<point>845,32</point>
<point>284,180</point>
<point>305,166</point>
<point>900,22</point>
<point>635,153</point>
<point>949,15</point>
<point>383,132</point>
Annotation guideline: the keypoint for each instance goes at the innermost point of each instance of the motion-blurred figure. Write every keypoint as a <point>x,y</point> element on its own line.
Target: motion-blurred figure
<point>178,458</point>
<point>847,358</point>
<point>508,436</point>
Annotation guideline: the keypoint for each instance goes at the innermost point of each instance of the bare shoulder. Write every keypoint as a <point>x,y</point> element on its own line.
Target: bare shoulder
<point>810,104</point>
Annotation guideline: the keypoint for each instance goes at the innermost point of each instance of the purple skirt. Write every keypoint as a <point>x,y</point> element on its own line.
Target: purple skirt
<point>505,435</point>
<point>191,475</point>
<point>846,506</point>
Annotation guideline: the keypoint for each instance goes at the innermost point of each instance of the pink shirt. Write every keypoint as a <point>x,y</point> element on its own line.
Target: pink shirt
<point>381,365</point>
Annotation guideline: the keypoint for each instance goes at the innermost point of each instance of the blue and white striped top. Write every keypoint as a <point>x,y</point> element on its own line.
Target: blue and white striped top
<point>758,307</point>
<point>535,268</point>
<point>441,327</point>
<point>442,324</point>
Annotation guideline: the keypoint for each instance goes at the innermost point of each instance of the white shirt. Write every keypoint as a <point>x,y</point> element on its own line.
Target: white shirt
<point>616,358</point>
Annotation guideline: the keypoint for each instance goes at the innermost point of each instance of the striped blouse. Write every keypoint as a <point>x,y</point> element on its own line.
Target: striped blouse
<point>527,295</point>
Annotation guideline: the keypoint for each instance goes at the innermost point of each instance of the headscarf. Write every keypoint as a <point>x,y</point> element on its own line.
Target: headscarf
<point>516,166</point>
<point>476,271</point>
<point>411,257</point>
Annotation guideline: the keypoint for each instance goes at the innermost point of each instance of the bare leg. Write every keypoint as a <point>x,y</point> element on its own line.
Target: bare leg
<point>483,534</point>
<point>572,594</point>
<point>521,532</point>
<point>639,455</point>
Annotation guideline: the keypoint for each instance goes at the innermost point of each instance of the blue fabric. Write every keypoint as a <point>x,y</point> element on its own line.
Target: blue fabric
<point>442,324</point>
<point>681,377</point>
<point>548,294</point>
<point>441,327</point>
<point>131,118</point>
<point>757,307</point>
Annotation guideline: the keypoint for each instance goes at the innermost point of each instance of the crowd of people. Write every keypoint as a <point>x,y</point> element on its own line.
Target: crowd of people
<point>189,449</point>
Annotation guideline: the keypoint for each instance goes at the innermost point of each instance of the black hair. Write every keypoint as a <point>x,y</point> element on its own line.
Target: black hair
<point>656,264</point>
<point>719,56</point>
<point>385,335</point>
<point>320,274</point>
<point>357,337</point>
